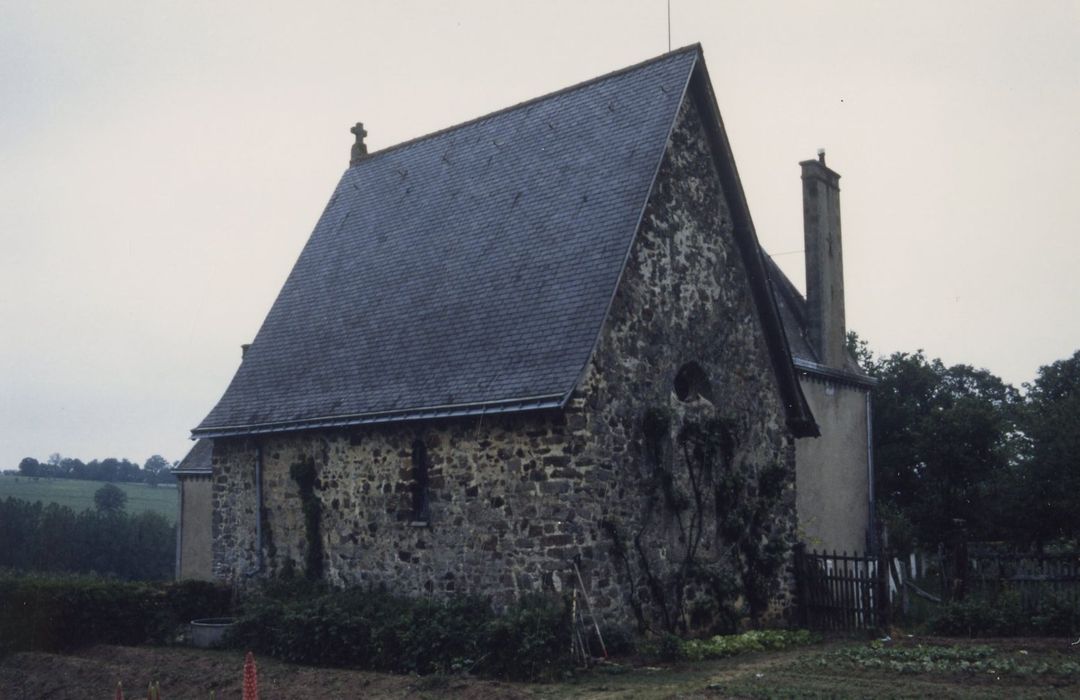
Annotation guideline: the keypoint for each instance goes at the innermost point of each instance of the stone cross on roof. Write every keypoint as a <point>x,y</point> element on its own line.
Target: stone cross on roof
<point>359,149</point>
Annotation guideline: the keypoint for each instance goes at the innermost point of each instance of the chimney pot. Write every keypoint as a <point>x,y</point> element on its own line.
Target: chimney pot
<point>243,350</point>
<point>359,149</point>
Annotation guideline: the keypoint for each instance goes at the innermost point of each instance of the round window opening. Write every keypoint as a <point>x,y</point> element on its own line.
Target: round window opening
<point>691,383</point>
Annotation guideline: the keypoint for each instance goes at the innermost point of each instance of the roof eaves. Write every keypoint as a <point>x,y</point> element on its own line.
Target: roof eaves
<point>556,401</point>
<point>837,375</point>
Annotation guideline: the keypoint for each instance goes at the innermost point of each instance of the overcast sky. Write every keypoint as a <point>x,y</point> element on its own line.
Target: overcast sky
<point>163,164</point>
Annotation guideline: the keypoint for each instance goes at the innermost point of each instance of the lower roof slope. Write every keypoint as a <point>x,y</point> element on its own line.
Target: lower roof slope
<point>792,306</point>
<point>199,459</point>
<point>463,272</point>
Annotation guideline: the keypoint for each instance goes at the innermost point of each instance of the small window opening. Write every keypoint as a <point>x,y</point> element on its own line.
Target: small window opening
<point>691,383</point>
<point>421,504</point>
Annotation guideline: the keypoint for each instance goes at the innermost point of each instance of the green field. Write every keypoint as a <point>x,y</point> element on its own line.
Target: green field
<point>79,495</point>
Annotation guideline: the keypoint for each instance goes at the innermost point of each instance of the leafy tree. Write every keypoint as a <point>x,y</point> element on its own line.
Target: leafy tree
<point>860,350</point>
<point>110,498</point>
<point>29,467</point>
<point>944,436</point>
<point>71,468</point>
<point>1048,485</point>
<point>54,538</point>
<point>156,470</point>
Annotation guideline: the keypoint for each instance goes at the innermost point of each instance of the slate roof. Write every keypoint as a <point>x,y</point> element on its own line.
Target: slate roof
<point>792,306</point>
<point>472,267</point>
<point>470,271</point>
<point>198,459</point>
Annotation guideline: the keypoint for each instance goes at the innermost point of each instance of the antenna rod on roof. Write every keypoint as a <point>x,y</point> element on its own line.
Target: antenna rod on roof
<point>669,25</point>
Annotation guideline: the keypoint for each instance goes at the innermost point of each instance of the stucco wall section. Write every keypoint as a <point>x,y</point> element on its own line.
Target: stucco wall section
<point>514,500</point>
<point>195,528</point>
<point>833,480</point>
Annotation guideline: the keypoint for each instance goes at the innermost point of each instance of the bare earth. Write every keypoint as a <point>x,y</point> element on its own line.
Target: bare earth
<point>188,673</point>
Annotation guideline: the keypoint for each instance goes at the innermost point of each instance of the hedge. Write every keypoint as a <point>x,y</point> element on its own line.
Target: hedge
<point>375,630</point>
<point>40,613</point>
<point>1004,617</point>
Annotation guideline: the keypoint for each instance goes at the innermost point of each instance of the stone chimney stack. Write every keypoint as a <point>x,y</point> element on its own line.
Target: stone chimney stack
<point>824,261</point>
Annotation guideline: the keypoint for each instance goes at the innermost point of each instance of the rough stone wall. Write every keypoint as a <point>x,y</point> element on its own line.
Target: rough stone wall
<point>685,298</point>
<point>503,501</point>
<point>513,500</point>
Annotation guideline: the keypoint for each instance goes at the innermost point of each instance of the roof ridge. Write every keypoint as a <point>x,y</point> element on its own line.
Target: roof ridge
<point>533,100</point>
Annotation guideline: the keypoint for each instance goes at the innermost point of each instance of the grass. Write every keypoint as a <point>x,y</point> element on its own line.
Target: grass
<point>79,495</point>
<point>906,668</point>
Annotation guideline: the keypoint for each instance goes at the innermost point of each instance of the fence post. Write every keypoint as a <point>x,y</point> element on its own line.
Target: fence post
<point>801,612</point>
<point>884,610</point>
<point>884,565</point>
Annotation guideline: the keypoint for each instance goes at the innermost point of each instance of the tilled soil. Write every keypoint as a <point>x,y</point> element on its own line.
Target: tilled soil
<point>803,672</point>
<point>189,673</point>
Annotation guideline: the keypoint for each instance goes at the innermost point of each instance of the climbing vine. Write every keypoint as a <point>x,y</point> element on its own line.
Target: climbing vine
<point>699,498</point>
<point>303,473</point>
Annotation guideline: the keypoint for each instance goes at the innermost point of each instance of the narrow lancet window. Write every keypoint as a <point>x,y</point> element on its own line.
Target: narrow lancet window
<point>421,506</point>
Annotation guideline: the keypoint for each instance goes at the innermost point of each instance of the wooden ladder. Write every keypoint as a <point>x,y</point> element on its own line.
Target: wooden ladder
<point>579,637</point>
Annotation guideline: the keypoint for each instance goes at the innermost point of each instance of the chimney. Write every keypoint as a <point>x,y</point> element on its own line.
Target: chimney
<point>824,261</point>
<point>244,349</point>
<point>359,149</point>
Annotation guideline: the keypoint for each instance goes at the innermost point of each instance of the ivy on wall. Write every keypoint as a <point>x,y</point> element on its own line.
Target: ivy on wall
<point>697,497</point>
<point>303,473</point>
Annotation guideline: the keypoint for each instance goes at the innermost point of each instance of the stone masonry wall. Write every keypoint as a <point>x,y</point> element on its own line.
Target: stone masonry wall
<point>514,499</point>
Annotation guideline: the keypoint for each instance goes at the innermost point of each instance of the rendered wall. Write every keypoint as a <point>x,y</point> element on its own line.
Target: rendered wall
<point>515,499</point>
<point>833,483</point>
<point>195,527</point>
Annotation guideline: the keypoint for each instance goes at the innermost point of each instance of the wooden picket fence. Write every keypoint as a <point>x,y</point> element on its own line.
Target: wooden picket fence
<point>841,592</point>
<point>1035,578</point>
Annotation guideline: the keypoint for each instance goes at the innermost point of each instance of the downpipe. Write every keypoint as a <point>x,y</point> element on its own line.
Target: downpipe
<point>872,525</point>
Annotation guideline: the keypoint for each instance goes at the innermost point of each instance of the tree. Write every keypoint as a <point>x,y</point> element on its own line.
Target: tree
<point>72,468</point>
<point>29,467</point>
<point>155,470</point>
<point>110,498</point>
<point>860,350</point>
<point>1050,481</point>
<point>944,438</point>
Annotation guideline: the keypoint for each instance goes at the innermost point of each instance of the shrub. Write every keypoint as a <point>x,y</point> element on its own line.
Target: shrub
<point>370,629</point>
<point>39,613</point>
<point>722,646</point>
<point>668,647</point>
<point>529,640</point>
<point>1004,617</point>
<point>190,600</point>
<point>979,618</point>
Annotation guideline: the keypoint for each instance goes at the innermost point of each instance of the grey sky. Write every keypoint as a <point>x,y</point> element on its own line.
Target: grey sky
<point>163,164</point>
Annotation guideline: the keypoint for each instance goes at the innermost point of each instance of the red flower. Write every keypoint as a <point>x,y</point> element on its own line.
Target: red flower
<point>251,678</point>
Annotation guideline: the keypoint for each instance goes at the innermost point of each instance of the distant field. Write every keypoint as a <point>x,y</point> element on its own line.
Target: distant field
<point>79,495</point>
